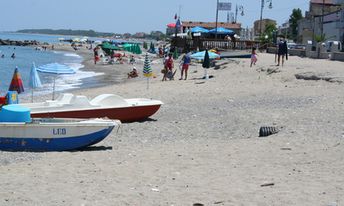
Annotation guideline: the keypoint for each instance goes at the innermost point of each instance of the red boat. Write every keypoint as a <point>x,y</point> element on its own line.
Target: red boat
<point>105,105</point>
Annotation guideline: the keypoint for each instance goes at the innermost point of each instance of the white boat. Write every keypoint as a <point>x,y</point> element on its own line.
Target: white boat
<point>105,105</point>
<point>21,133</point>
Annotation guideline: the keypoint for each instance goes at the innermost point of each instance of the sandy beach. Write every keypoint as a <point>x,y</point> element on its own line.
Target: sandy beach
<point>202,146</point>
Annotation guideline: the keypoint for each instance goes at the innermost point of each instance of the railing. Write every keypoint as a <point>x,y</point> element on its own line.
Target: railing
<point>201,44</point>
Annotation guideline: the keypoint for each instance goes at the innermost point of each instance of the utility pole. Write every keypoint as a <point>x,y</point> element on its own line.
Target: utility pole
<point>261,17</point>
<point>217,16</point>
<point>241,9</point>
<point>261,13</point>
<point>322,19</point>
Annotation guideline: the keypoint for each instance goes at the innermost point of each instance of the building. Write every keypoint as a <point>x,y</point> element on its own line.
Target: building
<point>324,17</point>
<point>284,29</point>
<point>236,27</point>
<point>265,22</point>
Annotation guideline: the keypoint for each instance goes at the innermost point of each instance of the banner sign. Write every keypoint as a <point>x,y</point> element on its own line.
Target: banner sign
<point>224,6</point>
<point>332,17</point>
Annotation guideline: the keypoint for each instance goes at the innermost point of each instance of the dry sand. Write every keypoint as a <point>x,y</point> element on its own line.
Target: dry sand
<point>203,146</point>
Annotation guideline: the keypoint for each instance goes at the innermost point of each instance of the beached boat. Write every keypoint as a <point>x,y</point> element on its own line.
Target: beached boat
<point>105,105</point>
<point>18,132</point>
<point>234,55</point>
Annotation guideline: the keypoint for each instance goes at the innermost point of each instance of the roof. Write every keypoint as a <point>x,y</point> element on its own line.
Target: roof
<point>211,25</point>
<point>322,2</point>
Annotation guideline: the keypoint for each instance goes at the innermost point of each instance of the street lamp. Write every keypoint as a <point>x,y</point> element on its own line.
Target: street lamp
<point>239,8</point>
<point>261,13</point>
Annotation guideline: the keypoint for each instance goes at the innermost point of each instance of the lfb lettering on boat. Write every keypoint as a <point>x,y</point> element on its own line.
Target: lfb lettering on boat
<point>59,131</point>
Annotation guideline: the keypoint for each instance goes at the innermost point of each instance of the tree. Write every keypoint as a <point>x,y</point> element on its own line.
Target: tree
<point>294,18</point>
<point>267,36</point>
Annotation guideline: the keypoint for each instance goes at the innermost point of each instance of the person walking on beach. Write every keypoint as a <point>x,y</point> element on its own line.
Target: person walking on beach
<point>96,55</point>
<point>282,51</point>
<point>185,66</point>
<point>253,56</point>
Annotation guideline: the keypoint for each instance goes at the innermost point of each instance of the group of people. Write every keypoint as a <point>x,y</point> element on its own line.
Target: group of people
<point>13,56</point>
<point>281,53</point>
<point>169,65</point>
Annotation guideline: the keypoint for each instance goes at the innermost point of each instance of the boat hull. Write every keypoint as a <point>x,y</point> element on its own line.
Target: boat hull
<point>125,114</point>
<point>52,136</point>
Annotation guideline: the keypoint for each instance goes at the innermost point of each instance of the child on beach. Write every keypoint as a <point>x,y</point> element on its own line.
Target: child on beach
<point>133,73</point>
<point>253,56</point>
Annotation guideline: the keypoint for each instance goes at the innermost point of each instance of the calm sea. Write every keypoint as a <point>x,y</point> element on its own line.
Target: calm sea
<point>25,56</point>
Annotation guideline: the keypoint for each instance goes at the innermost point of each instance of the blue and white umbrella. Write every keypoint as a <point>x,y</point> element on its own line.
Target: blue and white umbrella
<point>34,80</point>
<point>221,30</point>
<point>199,29</point>
<point>56,68</point>
<point>200,55</point>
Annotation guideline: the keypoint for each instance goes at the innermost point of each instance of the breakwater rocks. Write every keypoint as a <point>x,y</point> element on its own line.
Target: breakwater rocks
<point>18,43</point>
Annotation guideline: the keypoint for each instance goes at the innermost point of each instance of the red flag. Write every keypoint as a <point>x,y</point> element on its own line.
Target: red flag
<point>175,16</point>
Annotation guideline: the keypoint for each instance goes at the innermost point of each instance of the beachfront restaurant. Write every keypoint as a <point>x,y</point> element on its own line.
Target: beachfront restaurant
<point>201,35</point>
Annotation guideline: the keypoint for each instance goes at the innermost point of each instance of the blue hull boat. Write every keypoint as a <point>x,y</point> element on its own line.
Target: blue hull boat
<point>49,134</point>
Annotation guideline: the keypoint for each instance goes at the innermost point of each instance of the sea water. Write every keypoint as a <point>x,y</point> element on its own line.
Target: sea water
<point>25,56</point>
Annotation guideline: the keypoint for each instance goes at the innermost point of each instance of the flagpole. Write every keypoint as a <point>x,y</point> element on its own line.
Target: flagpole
<point>147,83</point>
<point>54,88</point>
<point>217,17</point>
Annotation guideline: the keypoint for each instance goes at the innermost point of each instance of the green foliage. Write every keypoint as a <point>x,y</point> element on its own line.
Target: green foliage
<point>158,35</point>
<point>267,36</point>
<point>319,38</point>
<point>294,18</point>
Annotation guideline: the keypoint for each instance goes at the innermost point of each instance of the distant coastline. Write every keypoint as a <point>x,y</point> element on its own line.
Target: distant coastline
<point>67,32</point>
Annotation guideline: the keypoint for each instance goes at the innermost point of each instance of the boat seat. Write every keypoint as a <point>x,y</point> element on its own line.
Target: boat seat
<point>80,101</point>
<point>65,98</point>
<point>109,100</point>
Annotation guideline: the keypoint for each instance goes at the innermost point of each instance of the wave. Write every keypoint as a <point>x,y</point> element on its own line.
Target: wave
<point>72,55</point>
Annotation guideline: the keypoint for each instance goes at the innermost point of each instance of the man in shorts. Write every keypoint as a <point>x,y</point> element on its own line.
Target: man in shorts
<point>185,66</point>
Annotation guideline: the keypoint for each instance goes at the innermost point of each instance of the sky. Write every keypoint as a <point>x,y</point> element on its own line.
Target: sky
<point>121,16</point>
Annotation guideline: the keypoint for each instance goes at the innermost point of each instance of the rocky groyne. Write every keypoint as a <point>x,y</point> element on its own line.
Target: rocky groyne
<point>18,43</point>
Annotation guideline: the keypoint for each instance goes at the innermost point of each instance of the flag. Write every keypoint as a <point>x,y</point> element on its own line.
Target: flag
<point>178,25</point>
<point>147,70</point>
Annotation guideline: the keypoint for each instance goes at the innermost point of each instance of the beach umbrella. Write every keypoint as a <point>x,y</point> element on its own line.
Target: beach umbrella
<point>206,64</point>
<point>201,55</point>
<point>35,81</point>
<point>56,69</point>
<point>147,70</point>
<point>199,29</point>
<point>171,25</point>
<point>175,54</point>
<point>138,49</point>
<point>16,83</point>
<point>221,30</point>
<point>151,48</point>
